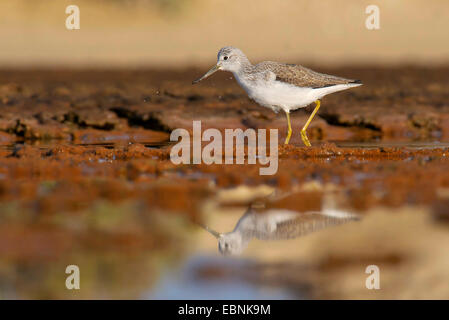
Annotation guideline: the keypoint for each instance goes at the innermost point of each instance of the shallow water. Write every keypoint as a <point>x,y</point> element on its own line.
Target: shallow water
<point>409,144</point>
<point>46,144</point>
<point>185,283</point>
<point>130,219</point>
<point>418,145</point>
<point>188,267</point>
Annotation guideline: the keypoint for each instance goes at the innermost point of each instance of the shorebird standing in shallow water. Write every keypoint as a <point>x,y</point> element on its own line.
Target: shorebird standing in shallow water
<point>280,86</point>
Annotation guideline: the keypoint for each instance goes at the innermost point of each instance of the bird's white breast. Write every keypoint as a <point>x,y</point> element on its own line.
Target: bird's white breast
<point>280,95</point>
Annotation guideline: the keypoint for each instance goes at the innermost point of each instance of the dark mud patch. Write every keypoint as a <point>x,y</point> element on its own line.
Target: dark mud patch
<point>42,104</point>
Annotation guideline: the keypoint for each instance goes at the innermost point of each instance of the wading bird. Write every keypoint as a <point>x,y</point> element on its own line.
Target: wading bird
<point>280,86</point>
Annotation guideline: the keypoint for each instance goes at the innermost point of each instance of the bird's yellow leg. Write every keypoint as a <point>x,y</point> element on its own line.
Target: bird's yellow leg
<point>303,131</point>
<point>289,133</point>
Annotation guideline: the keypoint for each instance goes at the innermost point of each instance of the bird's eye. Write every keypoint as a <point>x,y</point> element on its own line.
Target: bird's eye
<point>225,58</point>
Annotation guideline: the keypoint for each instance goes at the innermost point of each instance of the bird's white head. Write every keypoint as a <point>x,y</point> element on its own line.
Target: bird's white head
<point>231,59</point>
<point>230,244</point>
<point>228,59</point>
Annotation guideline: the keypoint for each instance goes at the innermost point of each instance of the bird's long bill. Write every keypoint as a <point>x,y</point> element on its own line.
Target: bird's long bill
<point>212,232</point>
<point>207,74</point>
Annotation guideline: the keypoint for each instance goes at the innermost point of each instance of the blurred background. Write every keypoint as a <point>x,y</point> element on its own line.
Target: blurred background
<point>134,33</point>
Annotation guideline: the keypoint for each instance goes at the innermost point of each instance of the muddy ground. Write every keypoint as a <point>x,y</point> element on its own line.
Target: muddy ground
<point>85,175</point>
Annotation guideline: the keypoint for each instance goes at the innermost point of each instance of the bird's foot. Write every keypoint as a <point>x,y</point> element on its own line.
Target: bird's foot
<point>287,139</point>
<point>304,138</point>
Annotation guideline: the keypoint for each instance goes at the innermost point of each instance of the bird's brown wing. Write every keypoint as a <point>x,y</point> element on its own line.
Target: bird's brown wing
<point>301,76</point>
<point>303,224</point>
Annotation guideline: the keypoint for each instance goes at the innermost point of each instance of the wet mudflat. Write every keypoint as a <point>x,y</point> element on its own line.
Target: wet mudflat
<point>86,179</point>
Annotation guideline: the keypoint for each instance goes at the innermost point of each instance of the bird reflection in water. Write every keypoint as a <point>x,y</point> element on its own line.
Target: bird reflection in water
<point>278,224</point>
